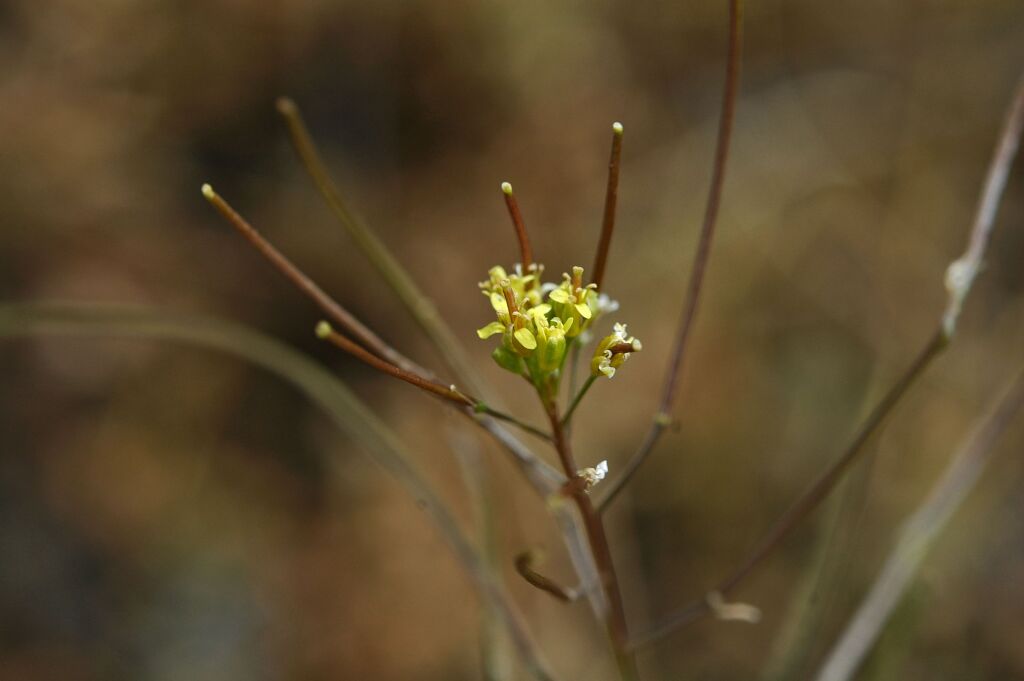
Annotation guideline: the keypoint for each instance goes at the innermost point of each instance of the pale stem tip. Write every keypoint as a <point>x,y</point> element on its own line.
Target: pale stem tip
<point>208,191</point>
<point>285,105</point>
<point>323,330</point>
<point>506,187</point>
<point>617,128</point>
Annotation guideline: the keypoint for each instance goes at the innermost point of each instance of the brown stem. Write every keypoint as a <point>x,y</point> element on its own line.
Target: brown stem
<point>598,539</point>
<point>611,198</point>
<point>810,499</point>
<point>700,259</point>
<point>329,306</point>
<point>525,562</point>
<point>325,332</point>
<point>525,252</point>
<point>959,279</point>
<point>450,393</point>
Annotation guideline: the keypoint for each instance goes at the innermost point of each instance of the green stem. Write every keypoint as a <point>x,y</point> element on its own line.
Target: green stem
<point>397,277</point>
<point>576,400</point>
<point>482,408</point>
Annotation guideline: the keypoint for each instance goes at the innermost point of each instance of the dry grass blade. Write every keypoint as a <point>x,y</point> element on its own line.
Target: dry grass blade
<point>315,382</point>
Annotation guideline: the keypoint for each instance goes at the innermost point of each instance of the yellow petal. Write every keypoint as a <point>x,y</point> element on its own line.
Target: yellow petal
<point>526,339</point>
<point>490,330</point>
<point>584,310</point>
<point>559,295</point>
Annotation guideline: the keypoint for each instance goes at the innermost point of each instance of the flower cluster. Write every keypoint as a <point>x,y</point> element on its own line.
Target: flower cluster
<point>536,335</point>
<point>612,351</point>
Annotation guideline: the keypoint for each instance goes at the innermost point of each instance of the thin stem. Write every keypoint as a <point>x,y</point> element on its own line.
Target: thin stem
<point>576,400</point>
<point>918,534</point>
<point>525,562</point>
<point>611,197</point>
<point>958,287</point>
<point>323,389</point>
<point>482,408</point>
<point>961,273</point>
<point>809,500</point>
<point>574,365</point>
<point>397,277</point>
<point>541,475</point>
<point>329,306</point>
<point>450,393</point>
<point>525,252</point>
<point>325,332</point>
<point>615,620</point>
<point>700,258</point>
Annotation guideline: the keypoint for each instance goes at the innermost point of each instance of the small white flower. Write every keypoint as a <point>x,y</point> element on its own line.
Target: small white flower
<point>592,476</point>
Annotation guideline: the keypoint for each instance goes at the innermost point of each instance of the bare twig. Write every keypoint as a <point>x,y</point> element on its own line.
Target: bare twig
<point>611,198</point>
<point>700,259</point>
<point>807,502</point>
<point>449,392</point>
<point>917,536</point>
<point>541,475</point>
<point>319,385</point>
<point>525,564</point>
<point>959,278</point>
<point>329,306</point>
<point>525,252</point>
<point>615,618</point>
<point>325,332</point>
<point>397,277</point>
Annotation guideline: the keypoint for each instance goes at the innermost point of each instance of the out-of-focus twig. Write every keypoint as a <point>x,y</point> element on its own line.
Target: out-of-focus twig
<point>959,278</point>
<point>326,303</point>
<point>323,388</point>
<point>919,532</point>
<point>397,277</point>
<point>525,564</point>
<point>541,475</point>
<point>662,418</point>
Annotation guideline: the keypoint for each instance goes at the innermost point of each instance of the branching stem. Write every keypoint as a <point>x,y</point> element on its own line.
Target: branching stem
<point>700,258</point>
<point>959,279</point>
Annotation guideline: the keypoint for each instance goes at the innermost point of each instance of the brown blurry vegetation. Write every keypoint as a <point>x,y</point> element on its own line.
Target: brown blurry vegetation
<point>172,513</point>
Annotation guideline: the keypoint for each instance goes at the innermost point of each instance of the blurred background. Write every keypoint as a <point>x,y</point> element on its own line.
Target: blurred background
<point>173,513</point>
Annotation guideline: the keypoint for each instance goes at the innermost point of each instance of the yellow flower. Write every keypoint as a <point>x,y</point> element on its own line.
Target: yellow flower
<point>575,302</point>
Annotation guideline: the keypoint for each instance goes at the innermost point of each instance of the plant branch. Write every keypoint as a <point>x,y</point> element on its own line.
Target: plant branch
<point>918,534</point>
<point>397,277</point>
<point>700,259</point>
<point>327,304</point>
<point>542,476</point>
<point>959,279</point>
<point>449,392</point>
<point>525,252</point>
<point>525,563</point>
<point>615,618</point>
<point>319,385</point>
<point>611,198</point>
<point>576,400</point>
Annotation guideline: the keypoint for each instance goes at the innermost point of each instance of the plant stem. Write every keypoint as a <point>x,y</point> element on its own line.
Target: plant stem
<point>576,400</point>
<point>959,279</point>
<point>919,532</point>
<point>319,385</point>
<point>525,251</point>
<point>330,307</point>
<point>615,618</point>
<point>611,197</point>
<point>700,260</point>
<point>420,306</point>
